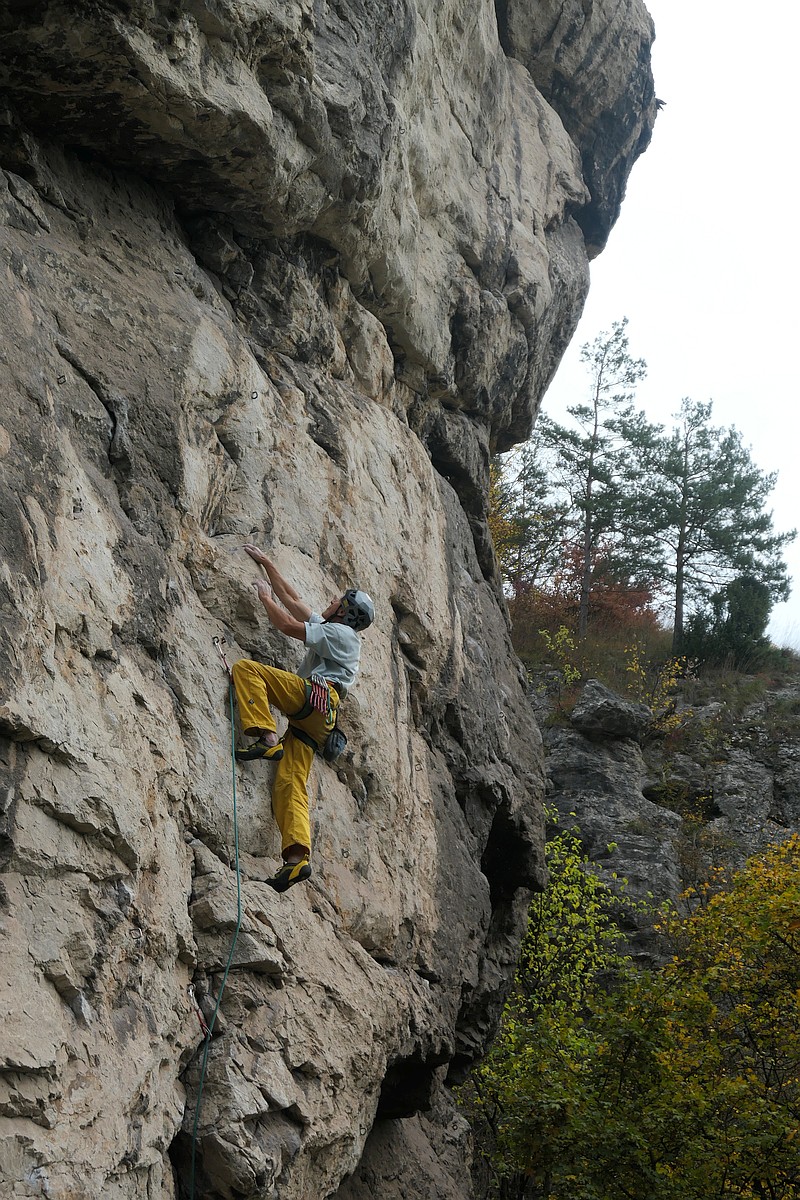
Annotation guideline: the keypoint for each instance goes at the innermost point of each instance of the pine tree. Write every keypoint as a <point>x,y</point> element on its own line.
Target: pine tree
<point>617,502</point>
<point>703,500</point>
<point>590,466</point>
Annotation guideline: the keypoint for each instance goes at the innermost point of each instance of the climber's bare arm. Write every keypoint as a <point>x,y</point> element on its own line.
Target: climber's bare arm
<point>284,591</point>
<point>279,617</point>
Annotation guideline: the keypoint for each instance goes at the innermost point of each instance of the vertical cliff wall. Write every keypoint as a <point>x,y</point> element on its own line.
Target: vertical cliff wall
<point>283,273</point>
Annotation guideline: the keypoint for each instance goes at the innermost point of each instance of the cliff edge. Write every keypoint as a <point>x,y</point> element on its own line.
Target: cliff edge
<point>283,273</point>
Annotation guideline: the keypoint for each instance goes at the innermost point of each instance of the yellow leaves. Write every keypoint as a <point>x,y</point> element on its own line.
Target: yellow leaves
<point>677,1084</point>
<point>561,645</point>
<point>657,688</point>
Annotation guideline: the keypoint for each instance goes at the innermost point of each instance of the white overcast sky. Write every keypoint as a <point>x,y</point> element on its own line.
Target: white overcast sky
<point>704,259</point>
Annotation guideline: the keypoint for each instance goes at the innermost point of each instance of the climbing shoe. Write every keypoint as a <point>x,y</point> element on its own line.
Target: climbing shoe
<point>260,749</point>
<point>290,874</point>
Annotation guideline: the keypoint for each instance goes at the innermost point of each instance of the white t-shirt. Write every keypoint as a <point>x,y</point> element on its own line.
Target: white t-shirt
<point>333,650</point>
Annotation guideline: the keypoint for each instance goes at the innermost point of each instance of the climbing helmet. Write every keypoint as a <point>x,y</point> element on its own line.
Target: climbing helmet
<point>358,611</point>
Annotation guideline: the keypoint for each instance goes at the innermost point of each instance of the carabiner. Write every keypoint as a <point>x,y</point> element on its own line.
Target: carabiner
<point>219,642</point>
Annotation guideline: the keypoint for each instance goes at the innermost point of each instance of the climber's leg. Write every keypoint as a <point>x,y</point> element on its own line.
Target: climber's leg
<point>290,798</point>
<point>258,686</point>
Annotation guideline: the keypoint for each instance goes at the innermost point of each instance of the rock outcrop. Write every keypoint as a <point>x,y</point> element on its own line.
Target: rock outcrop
<point>601,713</point>
<point>283,273</point>
<point>571,50</point>
<point>661,810</point>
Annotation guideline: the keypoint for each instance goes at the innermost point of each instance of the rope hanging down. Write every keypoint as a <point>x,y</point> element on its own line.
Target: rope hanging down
<point>210,1028</point>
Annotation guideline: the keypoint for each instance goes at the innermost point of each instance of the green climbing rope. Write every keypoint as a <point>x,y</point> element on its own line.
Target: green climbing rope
<point>210,1030</point>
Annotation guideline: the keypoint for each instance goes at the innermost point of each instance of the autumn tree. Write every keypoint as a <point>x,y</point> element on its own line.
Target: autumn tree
<point>527,520</point>
<point>589,464</point>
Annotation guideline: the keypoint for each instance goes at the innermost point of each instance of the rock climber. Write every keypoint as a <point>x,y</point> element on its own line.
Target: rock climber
<point>310,699</point>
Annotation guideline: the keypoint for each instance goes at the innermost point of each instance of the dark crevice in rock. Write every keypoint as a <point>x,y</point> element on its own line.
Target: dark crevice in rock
<point>481,1005</point>
<point>8,798</point>
<point>324,429</point>
<point>115,404</point>
<point>501,12</point>
<point>409,1084</point>
<point>460,454</point>
<point>180,1157</point>
<point>508,860</point>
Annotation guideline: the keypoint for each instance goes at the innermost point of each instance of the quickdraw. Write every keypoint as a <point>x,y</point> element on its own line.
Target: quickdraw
<point>219,643</point>
<point>204,1029</point>
<point>318,699</point>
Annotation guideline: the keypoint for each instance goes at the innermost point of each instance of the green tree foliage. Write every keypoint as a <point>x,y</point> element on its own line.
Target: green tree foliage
<point>731,631</point>
<point>616,513</point>
<point>524,1097</point>
<point>703,500</point>
<point>679,1084</point>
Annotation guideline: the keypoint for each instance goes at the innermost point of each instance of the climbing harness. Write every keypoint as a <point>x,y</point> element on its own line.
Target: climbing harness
<point>334,745</point>
<point>209,1028</point>
<point>318,699</point>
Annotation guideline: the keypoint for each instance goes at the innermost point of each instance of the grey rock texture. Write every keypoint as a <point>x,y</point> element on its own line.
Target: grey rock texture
<point>426,1157</point>
<point>754,795</point>
<point>659,812</point>
<point>601,108</point>
<point>284,273</point>
<point>597,787</point>
<point>599,712</point>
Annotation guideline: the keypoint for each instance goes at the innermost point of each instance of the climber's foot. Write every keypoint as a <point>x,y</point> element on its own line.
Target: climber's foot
<point>290,874</point>
<point>261,749</point>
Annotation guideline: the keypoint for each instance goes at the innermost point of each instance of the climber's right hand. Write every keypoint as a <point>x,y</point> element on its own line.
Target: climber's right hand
<point>257,555</point>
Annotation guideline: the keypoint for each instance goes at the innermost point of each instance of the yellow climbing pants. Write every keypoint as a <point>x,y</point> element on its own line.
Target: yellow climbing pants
<point>258,686</point>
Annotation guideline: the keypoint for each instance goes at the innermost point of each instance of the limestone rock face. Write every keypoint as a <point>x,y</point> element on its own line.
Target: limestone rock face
<point>598,785</point>
<point>602,108</point>
<point>282,273</point>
